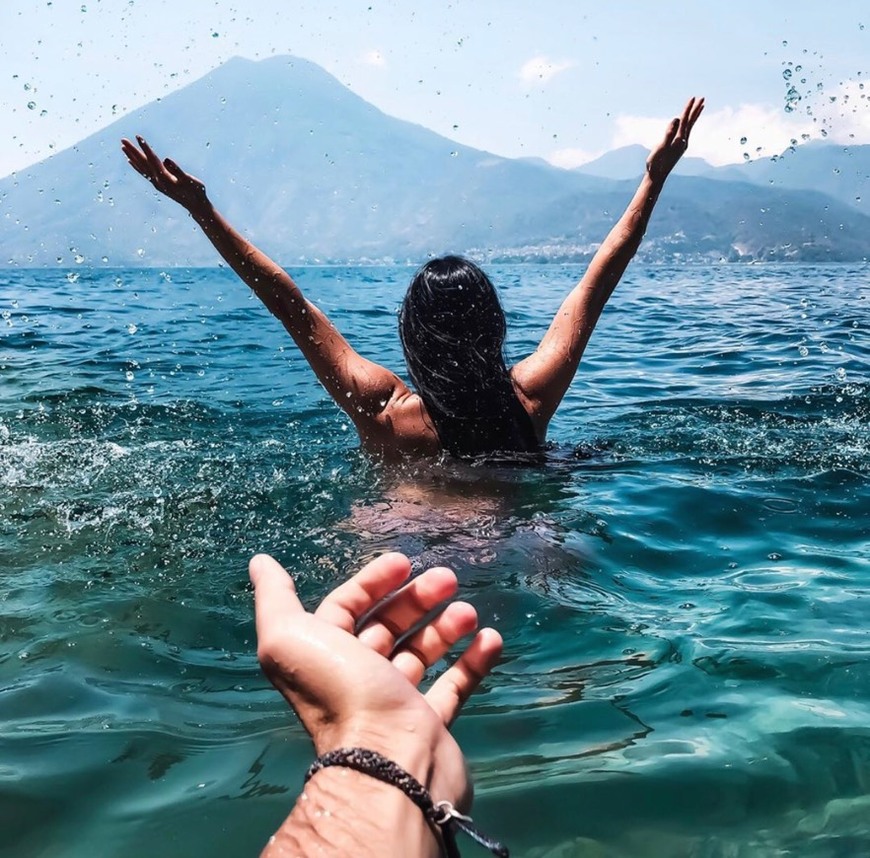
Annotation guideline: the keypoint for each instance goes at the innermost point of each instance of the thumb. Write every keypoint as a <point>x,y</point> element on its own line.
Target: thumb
<point>671,132</point>
<point>173,168</point>
<point>275,598</point>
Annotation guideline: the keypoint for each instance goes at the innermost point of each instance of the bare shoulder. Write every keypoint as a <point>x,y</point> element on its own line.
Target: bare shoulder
<point>402,427</point>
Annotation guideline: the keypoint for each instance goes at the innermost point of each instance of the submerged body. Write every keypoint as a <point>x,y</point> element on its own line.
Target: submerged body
<point>467,402</point>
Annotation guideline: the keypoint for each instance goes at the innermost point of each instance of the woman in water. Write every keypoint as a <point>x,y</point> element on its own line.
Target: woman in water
<point>452,327</point>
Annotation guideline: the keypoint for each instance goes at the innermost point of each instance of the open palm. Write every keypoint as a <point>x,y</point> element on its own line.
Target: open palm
<point>664,157</point>
<point>165,175</point>
<point>357,686</point>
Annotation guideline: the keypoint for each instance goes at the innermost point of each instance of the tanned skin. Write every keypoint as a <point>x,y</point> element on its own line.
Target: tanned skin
<point>390,418</point>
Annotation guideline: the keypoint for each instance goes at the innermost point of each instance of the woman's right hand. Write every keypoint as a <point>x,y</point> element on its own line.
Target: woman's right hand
<point>166,175</point>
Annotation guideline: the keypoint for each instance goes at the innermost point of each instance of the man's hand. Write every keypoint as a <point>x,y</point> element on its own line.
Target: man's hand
<point>664,157</point>
<point>166,175</point>
<point>355,685</point>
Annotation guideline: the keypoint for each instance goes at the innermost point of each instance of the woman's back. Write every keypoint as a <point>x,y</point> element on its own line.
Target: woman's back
<point>405,428</point>
<point>452,328</point>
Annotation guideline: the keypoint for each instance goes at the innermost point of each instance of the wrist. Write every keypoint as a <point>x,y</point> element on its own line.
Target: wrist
<point>345,812</point>
<point>202,211</point>
<point>422,746</point>
<point>654,181</point>
<point>409,746</point>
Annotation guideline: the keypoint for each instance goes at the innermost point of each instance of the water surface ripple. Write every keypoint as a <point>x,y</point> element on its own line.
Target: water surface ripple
<point>683,588</point>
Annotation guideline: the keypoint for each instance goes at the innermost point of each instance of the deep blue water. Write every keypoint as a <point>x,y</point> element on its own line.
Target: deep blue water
<point>683,588</point>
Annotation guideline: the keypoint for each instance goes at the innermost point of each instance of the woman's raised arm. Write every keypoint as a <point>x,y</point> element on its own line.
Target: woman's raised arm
<point>544,377</point>
<point>362,388</point>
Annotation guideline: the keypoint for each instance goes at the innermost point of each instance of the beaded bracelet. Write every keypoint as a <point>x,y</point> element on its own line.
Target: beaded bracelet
<point>442,815</point>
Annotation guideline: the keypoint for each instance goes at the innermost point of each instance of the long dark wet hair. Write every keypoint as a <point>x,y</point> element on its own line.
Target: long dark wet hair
<point>453,328</point>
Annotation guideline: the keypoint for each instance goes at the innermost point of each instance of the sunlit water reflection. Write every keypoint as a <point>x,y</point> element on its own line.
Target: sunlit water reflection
<point>681,588</point>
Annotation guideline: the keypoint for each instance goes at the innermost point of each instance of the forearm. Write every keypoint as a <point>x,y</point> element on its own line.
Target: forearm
<point>632,225</point>
<point>356,385</point>
<point>344,812</point>
<point>271,283</point>
<point>546,375</point>
<point>623,241</point>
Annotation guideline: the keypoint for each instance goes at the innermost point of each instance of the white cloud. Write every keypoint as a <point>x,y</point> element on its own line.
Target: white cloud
<point>726,135</point>
<point>539,70</point>
<point>375,58</point>
<point>568,159</point>
<point>723,136</point>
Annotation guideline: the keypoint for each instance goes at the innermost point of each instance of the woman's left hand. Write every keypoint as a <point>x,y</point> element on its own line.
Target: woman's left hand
<point>664,157</point>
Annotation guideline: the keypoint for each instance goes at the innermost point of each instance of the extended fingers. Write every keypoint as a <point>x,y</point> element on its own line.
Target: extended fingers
<point>696,112</point>
<point>434,640</point>
<point>154,163</point>
<point>692,111</point>
<point>144,161</point>
<point>275,599</point>
<point>134,157</point>
<point>450,691</point>
<point>347,604</point>
<point>684,120</point>
<point>407,608</point>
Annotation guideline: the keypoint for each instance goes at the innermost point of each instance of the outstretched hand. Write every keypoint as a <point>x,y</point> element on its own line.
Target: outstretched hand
<point>355,685</point>
<point>165,175</point>
<point>664,157</point>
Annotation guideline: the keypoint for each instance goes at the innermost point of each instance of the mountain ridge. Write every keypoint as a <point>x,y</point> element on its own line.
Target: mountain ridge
<point>314,173</point>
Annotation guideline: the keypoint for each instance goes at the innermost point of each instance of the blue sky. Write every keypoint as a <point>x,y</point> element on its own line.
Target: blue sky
<point>564,81</point>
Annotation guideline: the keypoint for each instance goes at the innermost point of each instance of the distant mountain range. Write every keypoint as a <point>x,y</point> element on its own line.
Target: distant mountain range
<point>842,172</point>
<point>313,173</point>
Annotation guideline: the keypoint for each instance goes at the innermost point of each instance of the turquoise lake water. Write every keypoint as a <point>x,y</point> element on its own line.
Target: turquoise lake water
<point>683,589</point>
